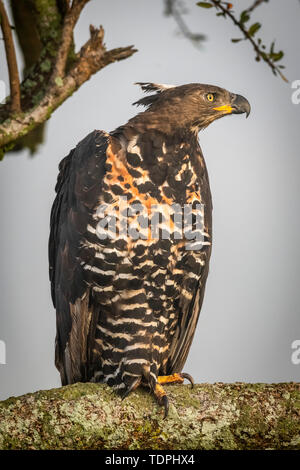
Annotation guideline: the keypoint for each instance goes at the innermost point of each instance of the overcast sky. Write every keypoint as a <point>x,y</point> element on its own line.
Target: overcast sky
<point>250,315</point>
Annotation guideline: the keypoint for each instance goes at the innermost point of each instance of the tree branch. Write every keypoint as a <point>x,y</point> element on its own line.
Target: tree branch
<point>70,21</point>
<point>91,58</point>
<point>14,81</point>
<point>91,416</point>
<point>59,71</point>
<point>225,9</point>
<point>171,9</point>
<point>255,4</point>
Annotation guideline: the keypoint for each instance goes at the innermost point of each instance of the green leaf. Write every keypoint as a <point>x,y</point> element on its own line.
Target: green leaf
<point>59,81</point>
<point>244,17</point>
<point>204,5</point>
<point>254,28</point>
<point>277,56</point>
<point>237,39</point>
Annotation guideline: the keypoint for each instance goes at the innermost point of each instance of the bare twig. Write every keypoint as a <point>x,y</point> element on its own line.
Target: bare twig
<point>14,81</point>
<point>70,21</point>
<point>256,4</point>
<point>171,9</point>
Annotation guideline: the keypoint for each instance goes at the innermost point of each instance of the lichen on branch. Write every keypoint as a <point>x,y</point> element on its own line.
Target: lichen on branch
<point>93,416</point>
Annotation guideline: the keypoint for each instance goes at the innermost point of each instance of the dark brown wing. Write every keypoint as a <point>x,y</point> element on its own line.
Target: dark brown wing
<point>187,327</point>
<point>189,310</point>
<point>78,189</point>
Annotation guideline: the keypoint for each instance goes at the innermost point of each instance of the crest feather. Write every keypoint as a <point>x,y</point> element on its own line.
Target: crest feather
<point>158,87</point>
<point>148,87</point>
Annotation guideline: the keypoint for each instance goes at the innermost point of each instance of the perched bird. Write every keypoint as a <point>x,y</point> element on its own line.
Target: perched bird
<point>128,296</point>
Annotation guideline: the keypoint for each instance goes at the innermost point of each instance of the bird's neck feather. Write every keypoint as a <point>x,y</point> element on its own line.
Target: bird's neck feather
<point>158,153</point>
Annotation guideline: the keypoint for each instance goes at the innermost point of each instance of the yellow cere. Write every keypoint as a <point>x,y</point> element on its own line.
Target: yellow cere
<point>226,108</point>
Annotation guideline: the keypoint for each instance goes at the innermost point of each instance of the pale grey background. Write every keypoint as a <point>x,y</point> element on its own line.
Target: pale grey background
<point>250,314</point>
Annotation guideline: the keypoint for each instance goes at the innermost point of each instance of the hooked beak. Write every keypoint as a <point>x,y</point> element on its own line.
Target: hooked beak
<point>238,105</point>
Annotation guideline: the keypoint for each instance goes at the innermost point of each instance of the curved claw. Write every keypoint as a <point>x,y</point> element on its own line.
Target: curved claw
<point>165,403</point>
<point>132,387</point>
<point>189,378</point>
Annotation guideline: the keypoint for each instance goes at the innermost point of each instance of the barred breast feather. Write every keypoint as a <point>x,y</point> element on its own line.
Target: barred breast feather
<point>127,301</point>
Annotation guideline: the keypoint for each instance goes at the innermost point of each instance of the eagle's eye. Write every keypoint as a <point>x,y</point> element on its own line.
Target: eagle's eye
<point>210,97</point>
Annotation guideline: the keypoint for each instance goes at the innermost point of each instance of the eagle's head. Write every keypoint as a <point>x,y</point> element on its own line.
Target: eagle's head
<point>189,107</point>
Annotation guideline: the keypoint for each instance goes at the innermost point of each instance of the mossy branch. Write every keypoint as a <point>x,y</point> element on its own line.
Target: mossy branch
<point>58,71</point>
<point>92,58</point>
<point>70,21</point>
<point>92,416</point>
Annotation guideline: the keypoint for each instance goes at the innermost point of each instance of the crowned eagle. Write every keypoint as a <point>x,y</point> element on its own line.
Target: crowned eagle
<point>128,291</point>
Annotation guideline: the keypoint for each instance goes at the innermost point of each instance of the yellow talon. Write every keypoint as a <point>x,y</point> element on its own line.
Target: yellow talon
<point>177,378</point>
<point>170,379</point>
